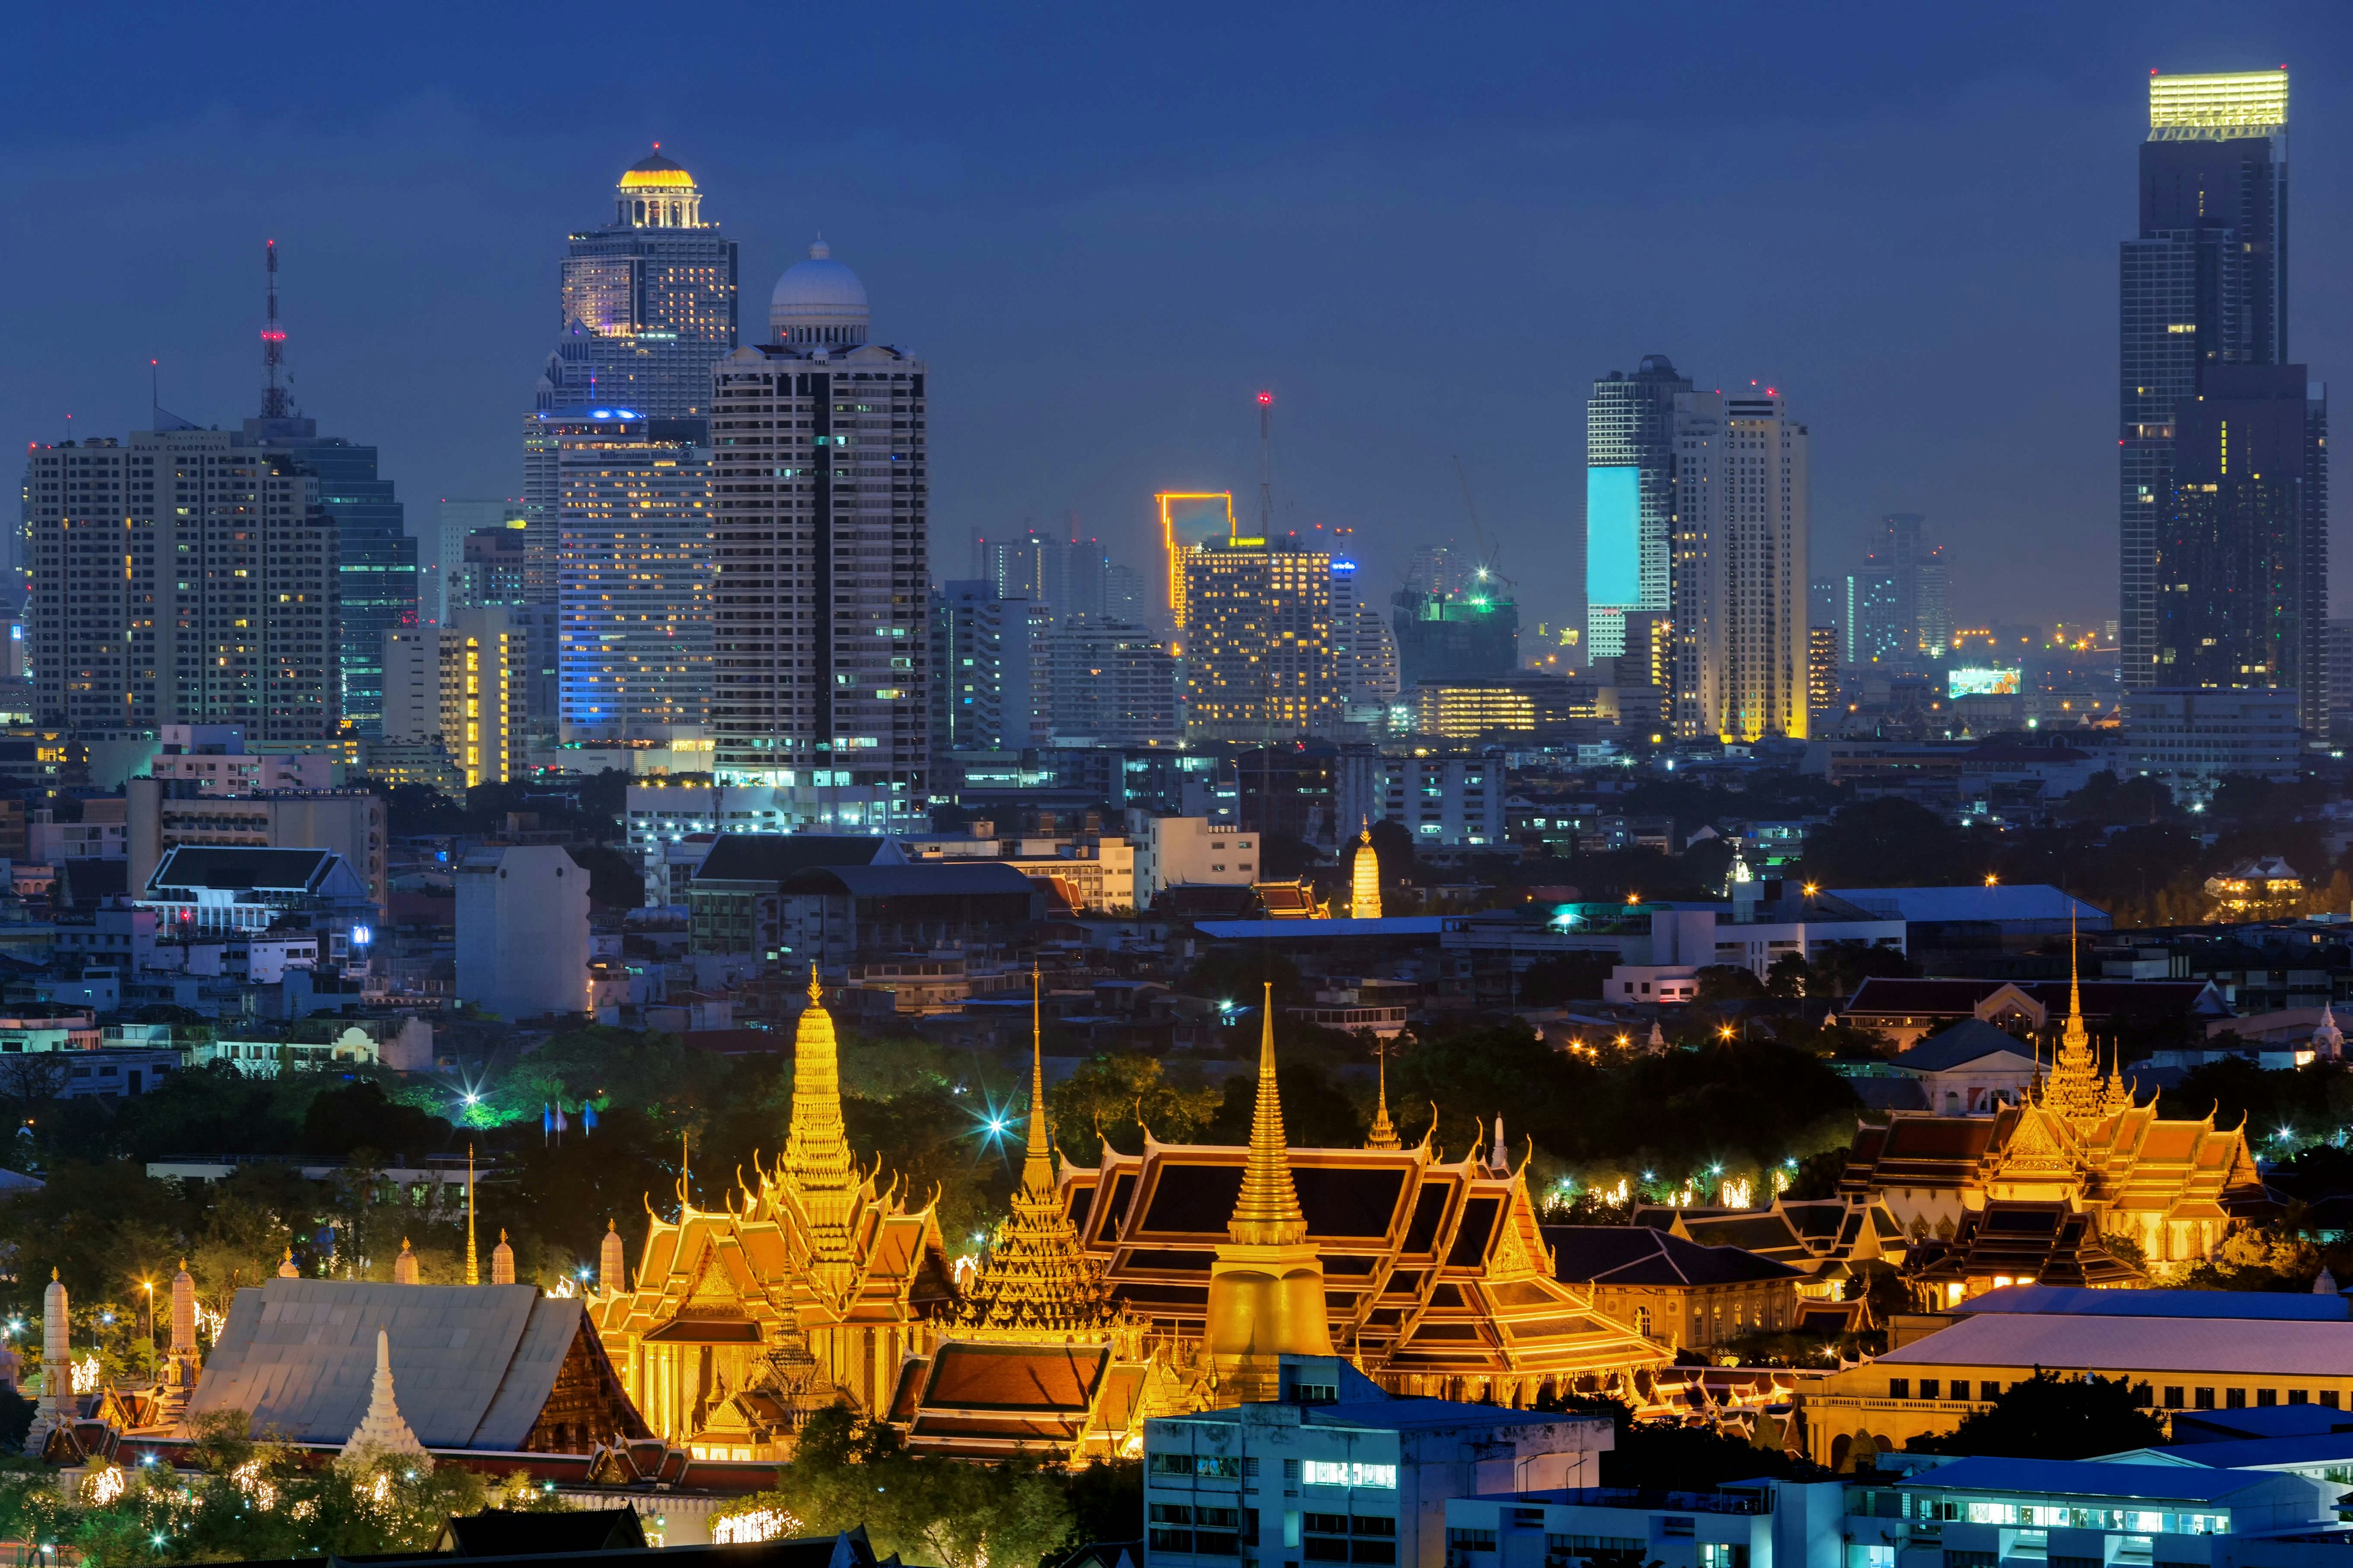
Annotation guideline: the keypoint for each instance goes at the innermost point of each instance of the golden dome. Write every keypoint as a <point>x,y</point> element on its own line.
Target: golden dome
<point>656,173</point>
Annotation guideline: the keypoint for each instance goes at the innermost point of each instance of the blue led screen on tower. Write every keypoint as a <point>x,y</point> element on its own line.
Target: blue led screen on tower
<point>1613,535</point>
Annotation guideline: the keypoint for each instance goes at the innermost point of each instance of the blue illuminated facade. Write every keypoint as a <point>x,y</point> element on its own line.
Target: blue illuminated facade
<point>1628,499</point>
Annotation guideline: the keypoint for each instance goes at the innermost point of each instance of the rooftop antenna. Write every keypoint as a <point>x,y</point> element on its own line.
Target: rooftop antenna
<point>1266,465</point>
<point>154,392</point>
<point>276,403</point>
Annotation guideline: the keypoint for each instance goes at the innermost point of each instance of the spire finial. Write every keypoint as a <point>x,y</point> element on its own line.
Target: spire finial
<point>816,988</point>
<point>1037,1165</point>
<point>1384,1134</point>
<point>1268,1213</point>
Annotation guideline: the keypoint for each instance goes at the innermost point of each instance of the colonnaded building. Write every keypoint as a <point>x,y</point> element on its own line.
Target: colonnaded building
<point>1150,1284</point>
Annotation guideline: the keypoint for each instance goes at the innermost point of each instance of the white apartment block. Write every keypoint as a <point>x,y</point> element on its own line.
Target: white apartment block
<point>460,683</point>
<point>822,652</point>
<point>1113,683</point>
<point>1189,851</point>
<point>1444,802</point>
<point>1740,563</point>
<point>177,580</point>
<point>2190,738</point>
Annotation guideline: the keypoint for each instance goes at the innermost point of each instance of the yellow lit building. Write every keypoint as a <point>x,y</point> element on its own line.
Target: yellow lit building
<point>1467,713</point>
<point>460,684</point>
<point>2260,889</point>
<point>1261,659</point>
<point>1171,503</point>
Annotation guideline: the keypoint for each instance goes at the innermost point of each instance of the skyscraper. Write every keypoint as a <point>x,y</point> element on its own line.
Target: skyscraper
<point>822,655</point>
<point>1629,500</point>
<point>988,669</point>
<point>1740,567</point>
<point>2204,284</point>
<point>633,575</point>
<point>183,578</point>
<point>1920,623</point>
<point>648,301</point>
<point>1068,577</point>
<point>1260,659</point>
<point>2241,549</point>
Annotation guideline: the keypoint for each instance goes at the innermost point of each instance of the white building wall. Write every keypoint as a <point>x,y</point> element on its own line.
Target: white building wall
<point>523,931</point>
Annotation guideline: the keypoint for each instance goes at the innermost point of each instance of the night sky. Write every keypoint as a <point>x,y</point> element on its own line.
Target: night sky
<point>1424,228</point>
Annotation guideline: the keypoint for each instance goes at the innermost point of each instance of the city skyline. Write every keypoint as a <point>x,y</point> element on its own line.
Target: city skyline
<point>1835,282</point>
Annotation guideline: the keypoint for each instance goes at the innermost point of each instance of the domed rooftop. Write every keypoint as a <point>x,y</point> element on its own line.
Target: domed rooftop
<point>818,301</point>
<point>656,173</point>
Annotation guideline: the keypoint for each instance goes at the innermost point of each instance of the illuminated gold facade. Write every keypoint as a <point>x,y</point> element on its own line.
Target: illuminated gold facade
<point>1179,551</point>
<point>1260,655</point>
<point>2217,105</point>
<point>813,1287</point>
<point>1365,881</point>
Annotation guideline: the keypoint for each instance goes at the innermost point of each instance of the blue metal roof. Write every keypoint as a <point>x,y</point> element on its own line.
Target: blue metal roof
<point>2003,902</point>
<point>1403,925</point>
<point>2072,1301</point>
<point>2089,1478</point>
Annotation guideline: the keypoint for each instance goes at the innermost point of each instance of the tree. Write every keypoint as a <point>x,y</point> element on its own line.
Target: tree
<point>1107,1095</point>
<point>2048,1416</point>
<point>1787,975</point>
<point>1727,982</point>
<point>1566,977</point>
<point>1888,842</point>
<point>1315,1114</point>
<point>1236,973</point>
<point>849,1472</point>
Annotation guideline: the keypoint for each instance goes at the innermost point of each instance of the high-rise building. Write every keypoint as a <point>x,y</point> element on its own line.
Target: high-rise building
<point>1068,577</point>
<point>1111,683</point>
<point>1740,568</point>
<point>183,578</point>
<point>1189,520</point>
<point>647,305</point>
<point>989,670</point>
<point>633,575</point>
<point>1919,586</point>
<point>1468,635</point>
<point>1369,671</point>
<point>458,684</point>
<point>1821,673</point>
<point>822,657</point>
<point>1259,654</point>
<point>441,554</point>
<point>2340,679</point>
<point>1870,625</point>
<point>1628,497</point>
<point>2203,284</point>
<point>2243,540</point>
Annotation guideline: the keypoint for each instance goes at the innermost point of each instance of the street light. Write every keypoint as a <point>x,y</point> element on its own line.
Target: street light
<point>148,1286</point>
<point>1992,879</point>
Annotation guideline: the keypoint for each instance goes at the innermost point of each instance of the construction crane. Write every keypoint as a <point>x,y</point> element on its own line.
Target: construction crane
<point>1487,557</point>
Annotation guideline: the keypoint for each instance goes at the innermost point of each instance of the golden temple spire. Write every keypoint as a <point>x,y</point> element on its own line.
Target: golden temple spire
<point>1037,1161</point>
<point>1365,881</point>
<point>2075,1033</point>
<point>817,1149</point>
<point>1384,1134</point>
<point>2075,1088</point>
<point>473,1270</point>
<point>1268,1213</point>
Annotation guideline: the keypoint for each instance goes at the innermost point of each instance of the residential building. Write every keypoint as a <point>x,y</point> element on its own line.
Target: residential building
<point>352,823</point>
<point>1369,668</point>
<point>1259,661</point>
<point>2192,739</point>
<point>1870,621</point>
<point>98,835</point>
<point>2203,285</point>
<point>1821,674</point>
<point>633,575</point>
<point>1067,577</point>
<point>990,676</point>
<point>2338,662</point>
<point>1688,1295</point>
<point>213,758</point>
<point>1339,1471</point>
<point>1740,568</point>
<point>523,931</point>
<point>441,554</point>
<point>183,578</point>
<point>2242,548</point>
<point>501,571</point>
<point>1919,583</point>
<point>1177,850</point>
<point>1110,683</point>
<point>1454,802</point>
<point>821,675</point>
<point>732,895</point>
<point>1628,499</point>
<point>459,684</point>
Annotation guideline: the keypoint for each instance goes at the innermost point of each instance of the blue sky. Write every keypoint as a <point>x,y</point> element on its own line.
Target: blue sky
<point>1424,228</point>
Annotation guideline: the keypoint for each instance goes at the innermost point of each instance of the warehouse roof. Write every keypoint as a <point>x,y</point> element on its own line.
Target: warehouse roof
<point>2218,1347</point>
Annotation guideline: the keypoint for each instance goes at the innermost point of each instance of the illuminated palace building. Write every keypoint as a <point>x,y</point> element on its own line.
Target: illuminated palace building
<point>821,656</point>
<point>1149,1284</point>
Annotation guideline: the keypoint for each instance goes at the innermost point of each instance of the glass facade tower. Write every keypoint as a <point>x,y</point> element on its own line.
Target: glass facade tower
<point>1628,499</point>
<point>2203,284</point>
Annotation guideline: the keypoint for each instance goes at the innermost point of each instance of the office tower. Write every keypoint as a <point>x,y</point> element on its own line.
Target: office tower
<point>823,650</point>
<point>1370,671</point>
<point>1918,584</point>
<point>2241,551</point>
<point>457,684</point>
<point>1465,635</point>
<point>1111,683</point>
<point>183,578</point>
<point>1740,568</point>
<point>441,554</point>
<point>2204,284</point>
<point>1259,656</point>
<point>1125,598</point>
<point>634,576</point>
<point>989,670</point>
<point>1821,673</point>
<point>1628,497</point>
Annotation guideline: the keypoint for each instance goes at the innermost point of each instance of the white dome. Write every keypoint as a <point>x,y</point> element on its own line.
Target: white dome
<point>818,301</point>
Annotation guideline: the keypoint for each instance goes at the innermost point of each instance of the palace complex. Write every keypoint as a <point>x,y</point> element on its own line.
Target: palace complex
<point>2029,1194</point>
<point>1150,1284</point>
